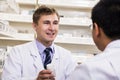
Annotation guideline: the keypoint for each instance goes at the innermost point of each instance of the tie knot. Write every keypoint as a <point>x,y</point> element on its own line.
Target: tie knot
<point>47,50</point>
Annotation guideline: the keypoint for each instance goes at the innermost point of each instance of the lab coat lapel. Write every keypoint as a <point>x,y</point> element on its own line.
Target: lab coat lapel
<point>36,57</point>
<point>56,57</point>
<point>56,61</point>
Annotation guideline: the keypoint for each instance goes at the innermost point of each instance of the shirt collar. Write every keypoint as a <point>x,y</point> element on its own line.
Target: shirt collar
<point>41,47</point>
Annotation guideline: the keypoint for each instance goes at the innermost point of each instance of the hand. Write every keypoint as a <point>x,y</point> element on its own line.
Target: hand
<point>45,75</point>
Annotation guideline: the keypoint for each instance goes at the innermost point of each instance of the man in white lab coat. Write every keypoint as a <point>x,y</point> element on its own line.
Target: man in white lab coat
<point>25,62</point>
<point>106,35</point>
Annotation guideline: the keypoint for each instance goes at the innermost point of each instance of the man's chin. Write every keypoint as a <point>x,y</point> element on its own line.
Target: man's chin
<point>50,40</point>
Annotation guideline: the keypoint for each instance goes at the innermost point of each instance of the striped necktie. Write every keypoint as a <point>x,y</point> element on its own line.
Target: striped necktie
<point>48,57</point>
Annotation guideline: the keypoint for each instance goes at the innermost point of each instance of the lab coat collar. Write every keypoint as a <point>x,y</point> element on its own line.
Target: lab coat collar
<point>56,55</point>
<point>35,54</point>
<point>114,44</point>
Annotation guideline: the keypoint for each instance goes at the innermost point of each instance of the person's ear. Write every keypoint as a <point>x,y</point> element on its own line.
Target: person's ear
<point>34,26</point>
<point>97,29</point>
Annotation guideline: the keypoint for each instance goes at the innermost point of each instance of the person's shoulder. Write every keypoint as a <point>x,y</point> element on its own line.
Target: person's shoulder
<point>21,48</point>
<point>24,45</point>
<point>97,59</point>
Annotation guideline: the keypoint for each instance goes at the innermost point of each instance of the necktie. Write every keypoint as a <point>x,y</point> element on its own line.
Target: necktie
<point>48,57</point>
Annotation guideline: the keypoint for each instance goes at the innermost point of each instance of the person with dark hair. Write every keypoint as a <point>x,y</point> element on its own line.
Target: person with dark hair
<point>30,61</point>
<point>106,35</point>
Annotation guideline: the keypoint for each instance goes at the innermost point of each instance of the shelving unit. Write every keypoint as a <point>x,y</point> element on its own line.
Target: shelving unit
<point>59,39</point>
<point>28,19</point>
<point>87,4</point>
<point>74,33</point>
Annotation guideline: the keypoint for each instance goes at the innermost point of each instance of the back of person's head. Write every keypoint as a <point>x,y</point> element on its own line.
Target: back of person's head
<point>106,13</point>
<point>43,10</point>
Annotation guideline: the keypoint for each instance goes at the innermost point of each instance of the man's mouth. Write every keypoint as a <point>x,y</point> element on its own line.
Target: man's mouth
<point>51,34</point>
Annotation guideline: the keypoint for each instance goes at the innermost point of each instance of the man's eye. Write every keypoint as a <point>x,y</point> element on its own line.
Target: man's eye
<point>55,23</point>
<point>46,22</point>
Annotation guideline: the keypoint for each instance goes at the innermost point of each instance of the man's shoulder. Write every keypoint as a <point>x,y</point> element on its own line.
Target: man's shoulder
<point>97,59</point>
<point>24,45</point>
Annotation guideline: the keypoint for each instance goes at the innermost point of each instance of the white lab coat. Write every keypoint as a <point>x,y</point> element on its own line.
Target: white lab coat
<point>104,66</point>
<point>24,62</point>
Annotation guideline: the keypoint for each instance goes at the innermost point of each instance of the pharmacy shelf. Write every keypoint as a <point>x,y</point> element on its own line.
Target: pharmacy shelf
<point>5,34</point>
<point>15,39</point>
<point>85,4</point>
<point>16,17</point>
<point>59,39</point>
<point>28,19</point>
<point>75,40</point>
<point>65,40</point>
<point>16,36</point>
<point>78,23</point>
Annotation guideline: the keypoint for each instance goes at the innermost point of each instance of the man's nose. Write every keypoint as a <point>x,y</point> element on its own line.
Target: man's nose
<point>51,26</point>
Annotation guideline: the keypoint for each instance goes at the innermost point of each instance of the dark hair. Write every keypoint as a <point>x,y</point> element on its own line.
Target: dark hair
<point>106,14</point>
<point>43,10</point>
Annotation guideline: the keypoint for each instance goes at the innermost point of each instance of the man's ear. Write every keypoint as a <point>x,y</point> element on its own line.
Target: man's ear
<point>34,26</point>
<point>97,29</point>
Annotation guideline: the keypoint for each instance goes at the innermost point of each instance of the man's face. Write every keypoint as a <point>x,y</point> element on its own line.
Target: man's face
<point>47,28</point>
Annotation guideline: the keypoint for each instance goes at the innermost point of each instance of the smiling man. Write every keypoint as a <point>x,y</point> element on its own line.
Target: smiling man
<point>29,61</point>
